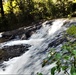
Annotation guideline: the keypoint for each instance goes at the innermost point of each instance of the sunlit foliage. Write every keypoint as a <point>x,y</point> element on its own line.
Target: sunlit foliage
<point>72,31</point>
<point>28,11</point>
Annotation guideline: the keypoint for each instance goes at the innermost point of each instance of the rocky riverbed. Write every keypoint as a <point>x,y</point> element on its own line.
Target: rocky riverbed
<point>23,33</point>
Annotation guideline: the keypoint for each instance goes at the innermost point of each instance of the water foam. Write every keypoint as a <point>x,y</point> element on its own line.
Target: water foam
<point>31,61</point>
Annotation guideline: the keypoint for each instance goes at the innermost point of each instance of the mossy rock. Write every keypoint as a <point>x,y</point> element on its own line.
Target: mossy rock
<point>72,31</point>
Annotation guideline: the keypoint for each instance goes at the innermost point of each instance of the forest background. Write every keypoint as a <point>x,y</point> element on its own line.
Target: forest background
<point>18,13</point>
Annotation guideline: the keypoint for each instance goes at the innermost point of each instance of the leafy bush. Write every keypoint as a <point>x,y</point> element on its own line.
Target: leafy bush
<point>39,73</point>
<point>72,31</point>
<point>65,59</point>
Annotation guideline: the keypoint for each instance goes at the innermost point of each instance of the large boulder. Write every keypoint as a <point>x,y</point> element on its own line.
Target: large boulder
<point>12,51</point>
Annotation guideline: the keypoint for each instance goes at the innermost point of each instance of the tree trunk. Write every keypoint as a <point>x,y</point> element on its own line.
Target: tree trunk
<point>1,7</point>
<point>4,24</point>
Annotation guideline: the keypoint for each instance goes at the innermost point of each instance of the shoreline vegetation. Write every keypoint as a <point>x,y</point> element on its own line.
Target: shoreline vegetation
<point>17,13</point>
<point>66,58</point>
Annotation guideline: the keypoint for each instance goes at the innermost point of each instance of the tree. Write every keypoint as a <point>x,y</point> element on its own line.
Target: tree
<point>1,8</point>
<point>11,6</point>
<point>3,24</point>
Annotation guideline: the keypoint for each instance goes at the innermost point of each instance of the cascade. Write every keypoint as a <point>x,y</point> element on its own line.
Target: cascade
<point>31,61</point>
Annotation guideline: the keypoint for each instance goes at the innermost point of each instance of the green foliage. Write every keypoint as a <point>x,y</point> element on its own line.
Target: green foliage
<point>27,11</point>
<point>39,73</point>
<point>72,31</point>
<point>65,59</point>
<point>53,70</point>
<point>43,8</point>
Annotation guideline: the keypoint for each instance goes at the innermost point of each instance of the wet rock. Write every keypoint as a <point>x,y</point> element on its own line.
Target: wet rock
<point>58,41</point>
<point>66,23</point>
<point>24,32</point>
<point>12,51</point>
<point>12,34</point>
<point>21,33</point>
<point>50,22</point>
<point>71,38</point>
<point>73,23</point>
<point>23,37</point>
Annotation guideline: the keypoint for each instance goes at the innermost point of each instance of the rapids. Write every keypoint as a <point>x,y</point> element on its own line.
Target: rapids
<point>31,61</point>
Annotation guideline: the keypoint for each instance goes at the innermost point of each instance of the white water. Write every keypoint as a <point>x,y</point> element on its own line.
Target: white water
<point>1,35</point>
<point>31,62</point>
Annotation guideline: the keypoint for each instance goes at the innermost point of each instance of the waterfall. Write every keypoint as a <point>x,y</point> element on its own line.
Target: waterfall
<point>31,61</point>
